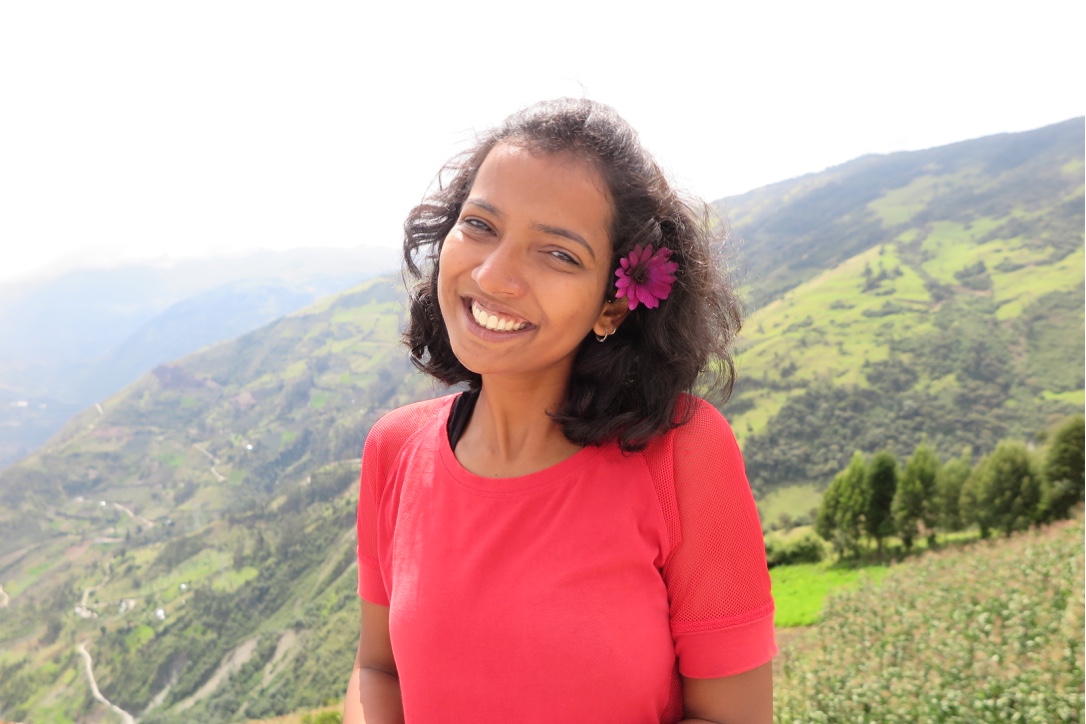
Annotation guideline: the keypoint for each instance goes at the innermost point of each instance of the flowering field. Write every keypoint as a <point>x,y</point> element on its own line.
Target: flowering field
<point>992,633</point>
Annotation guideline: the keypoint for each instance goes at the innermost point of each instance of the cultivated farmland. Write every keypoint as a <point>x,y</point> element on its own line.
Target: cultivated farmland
<point>992,633</point>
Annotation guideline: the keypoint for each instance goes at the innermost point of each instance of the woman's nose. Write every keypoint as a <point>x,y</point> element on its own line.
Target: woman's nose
<point>502,271</point>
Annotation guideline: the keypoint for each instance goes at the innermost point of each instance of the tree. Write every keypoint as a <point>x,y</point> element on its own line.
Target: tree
<point>970,506</point>
<point>840,516</point>
<point>1063,470</point>
<point>880,484</point>
<point>1004,490</point>
<point>948,491</point>
<point>914,499</point>
<point>826,518</point>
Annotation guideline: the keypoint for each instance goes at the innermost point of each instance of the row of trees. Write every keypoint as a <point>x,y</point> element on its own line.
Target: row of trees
<point>1007,490</point>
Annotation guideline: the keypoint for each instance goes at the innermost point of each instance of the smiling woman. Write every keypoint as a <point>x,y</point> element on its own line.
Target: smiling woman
<point>573,538</point>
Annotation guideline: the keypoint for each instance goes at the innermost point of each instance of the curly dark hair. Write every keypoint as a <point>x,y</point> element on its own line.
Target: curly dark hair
<point>627,390</point>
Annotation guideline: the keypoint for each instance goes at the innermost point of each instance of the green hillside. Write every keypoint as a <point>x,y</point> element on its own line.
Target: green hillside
<point>219,490</point>
<point>266,407</point>
<point>944,296</point>
<point>1011,185</point>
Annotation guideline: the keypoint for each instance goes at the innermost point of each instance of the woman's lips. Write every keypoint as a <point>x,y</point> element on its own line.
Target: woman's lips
<point>493,320</point>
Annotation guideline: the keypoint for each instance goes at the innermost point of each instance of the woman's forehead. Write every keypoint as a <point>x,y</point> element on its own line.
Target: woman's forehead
<point>560,183</point>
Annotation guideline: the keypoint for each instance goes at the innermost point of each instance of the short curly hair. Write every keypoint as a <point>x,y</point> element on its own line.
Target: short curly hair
<point>627,390</point>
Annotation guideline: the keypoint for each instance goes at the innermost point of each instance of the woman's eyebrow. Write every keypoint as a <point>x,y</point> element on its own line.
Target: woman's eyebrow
<point>485,206</point>
<point>545,228</point>
<point>567,234</point>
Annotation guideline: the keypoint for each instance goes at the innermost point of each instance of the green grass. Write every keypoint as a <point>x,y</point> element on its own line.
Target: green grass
<point>231,580</point>
<point>795,500</point>
<point>173,460</point>
<point>800,591</point>
<point>1016,290</point>
<point>138,636</point>
<point>899,205</point>
<point>28,579</point>
<point>1074,397</point>
<point>294,369</point>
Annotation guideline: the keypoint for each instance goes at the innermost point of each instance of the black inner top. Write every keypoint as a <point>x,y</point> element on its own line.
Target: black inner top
<point>462,407</point>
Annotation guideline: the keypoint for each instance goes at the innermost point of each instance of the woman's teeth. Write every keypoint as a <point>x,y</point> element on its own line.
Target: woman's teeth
<point>494,322</point>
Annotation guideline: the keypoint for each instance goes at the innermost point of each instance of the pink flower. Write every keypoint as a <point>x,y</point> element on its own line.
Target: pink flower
<point>644,277</point>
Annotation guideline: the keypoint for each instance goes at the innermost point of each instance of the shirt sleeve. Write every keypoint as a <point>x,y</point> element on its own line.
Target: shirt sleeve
<point>716,575</point>
<point>380,454</point>
<point>371,585</point>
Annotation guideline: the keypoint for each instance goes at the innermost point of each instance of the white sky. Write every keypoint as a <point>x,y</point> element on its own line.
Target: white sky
<point>151,129</point>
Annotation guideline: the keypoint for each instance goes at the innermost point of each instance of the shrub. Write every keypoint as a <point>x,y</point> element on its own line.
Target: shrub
<point>880,484</point>
<point>914,500</point>
<point>1004,490</point>
<point>948,491</point>
<point>1063,470</point>
<point>840,514</point>
<point>805,549</point>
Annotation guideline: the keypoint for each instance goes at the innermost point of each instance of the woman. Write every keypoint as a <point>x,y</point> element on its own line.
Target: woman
<point>573,538</point>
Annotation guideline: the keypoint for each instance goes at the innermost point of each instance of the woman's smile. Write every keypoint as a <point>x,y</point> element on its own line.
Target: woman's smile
<point>495,320</point>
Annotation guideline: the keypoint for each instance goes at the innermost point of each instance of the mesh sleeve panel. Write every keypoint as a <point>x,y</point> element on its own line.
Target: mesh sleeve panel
<point>383,444</point>
<point>716,575</point>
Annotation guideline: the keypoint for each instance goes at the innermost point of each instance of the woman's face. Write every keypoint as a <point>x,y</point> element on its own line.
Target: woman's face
<point>524,272</point>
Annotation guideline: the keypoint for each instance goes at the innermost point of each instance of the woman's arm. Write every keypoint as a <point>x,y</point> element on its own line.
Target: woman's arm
<point>745,698</point>
<point>373,694</point>
<point>718,583</point>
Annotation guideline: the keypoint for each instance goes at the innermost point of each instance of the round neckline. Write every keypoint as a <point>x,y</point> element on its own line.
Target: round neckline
<point>518,484</point>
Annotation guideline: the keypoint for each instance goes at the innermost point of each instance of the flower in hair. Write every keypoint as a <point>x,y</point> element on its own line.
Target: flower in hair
<point>645,277</point>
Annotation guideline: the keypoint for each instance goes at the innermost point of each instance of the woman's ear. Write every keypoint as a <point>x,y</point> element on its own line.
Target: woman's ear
<point>611,316</point>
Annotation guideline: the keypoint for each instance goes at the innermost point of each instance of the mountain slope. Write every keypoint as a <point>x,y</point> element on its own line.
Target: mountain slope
<point>1009,185</point>
<point>206,515</point>
<point>953,305</point>
<point>296,391</point>
<point>71,341</point>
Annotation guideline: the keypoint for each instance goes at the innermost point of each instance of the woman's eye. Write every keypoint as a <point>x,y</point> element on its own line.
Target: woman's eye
<point>565,258</point>
<point>476,224</point>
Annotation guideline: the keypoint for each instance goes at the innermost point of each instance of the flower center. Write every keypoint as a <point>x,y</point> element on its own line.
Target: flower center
<point>639,274</point>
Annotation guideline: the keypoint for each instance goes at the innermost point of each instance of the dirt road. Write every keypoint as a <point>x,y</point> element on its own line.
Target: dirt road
<point>89,667</point>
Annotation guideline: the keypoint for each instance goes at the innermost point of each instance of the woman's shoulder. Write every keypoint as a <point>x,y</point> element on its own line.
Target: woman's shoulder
<point>698,424</point>
<point>394,428</point>
<point>701,451</point>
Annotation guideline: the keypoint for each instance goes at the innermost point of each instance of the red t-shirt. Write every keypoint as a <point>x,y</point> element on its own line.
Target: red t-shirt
<point>577,593</point>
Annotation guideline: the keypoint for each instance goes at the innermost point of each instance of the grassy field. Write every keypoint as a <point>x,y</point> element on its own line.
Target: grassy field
<point>800,591</point>
<point>989,633</point>
<point>792,500</point>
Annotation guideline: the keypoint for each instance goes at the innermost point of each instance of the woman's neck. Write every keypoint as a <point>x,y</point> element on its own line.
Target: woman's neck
<point>510,433</point>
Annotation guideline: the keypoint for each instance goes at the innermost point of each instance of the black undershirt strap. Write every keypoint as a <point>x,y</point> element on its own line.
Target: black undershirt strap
<point>462,407</point>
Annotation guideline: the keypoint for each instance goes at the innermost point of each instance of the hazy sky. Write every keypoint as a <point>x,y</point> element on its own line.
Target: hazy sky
<point>152,129</point>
